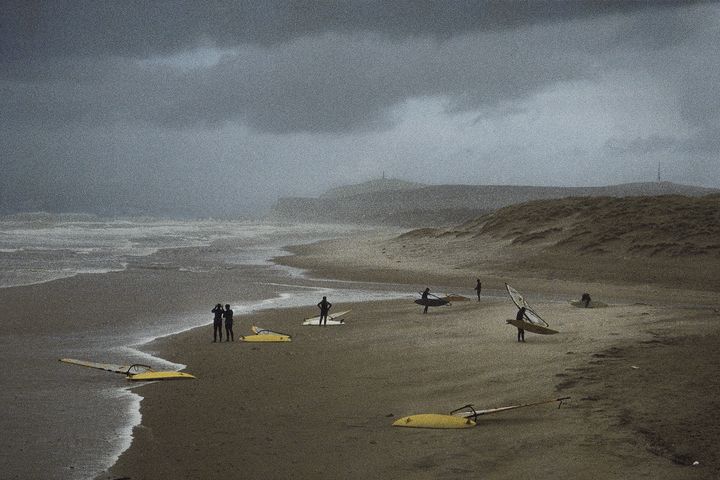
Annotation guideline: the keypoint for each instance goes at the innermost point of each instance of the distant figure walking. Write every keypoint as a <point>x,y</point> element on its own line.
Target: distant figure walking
<point>324,307</point>
<point>217,322</point>
<point>520,317</point>
<point>228,314</point>
<point>478,288</point>
<point>425,294</point>
<point>585,299</point>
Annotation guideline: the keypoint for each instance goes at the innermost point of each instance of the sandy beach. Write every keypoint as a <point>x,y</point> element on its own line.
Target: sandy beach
<point>640,374</point>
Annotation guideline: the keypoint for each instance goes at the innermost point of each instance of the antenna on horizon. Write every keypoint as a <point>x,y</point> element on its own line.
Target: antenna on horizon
<point>658,178</point>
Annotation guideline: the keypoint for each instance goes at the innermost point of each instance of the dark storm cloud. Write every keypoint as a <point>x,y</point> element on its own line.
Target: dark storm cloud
<point>34,29</point>
<point>206,107</point>
<point>641,146</point>
<point>328,83</point>
<point>303,66</point>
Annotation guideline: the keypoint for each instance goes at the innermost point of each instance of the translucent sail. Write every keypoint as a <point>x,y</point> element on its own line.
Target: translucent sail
<point>520,301</point>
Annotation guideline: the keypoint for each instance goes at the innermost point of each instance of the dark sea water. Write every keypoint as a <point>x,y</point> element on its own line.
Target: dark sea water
<point>74,422</point>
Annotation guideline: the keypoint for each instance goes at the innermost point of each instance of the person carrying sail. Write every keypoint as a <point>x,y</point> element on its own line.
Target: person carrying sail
<point>324,307</point>
<point>217,322</point>
<point>520,317</point>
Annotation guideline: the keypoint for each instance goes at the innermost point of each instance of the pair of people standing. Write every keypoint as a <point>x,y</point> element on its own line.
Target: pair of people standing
<point>221,314</point>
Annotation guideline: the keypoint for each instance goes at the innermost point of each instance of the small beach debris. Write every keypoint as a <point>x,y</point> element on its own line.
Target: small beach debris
<point>696,463</point>
<point>634,367</point>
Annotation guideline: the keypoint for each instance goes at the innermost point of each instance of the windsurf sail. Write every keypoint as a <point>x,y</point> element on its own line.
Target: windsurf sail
<point>264,331</point>
<point>519,300</point>
<point>109,367</point>
<point>468,411</point>
<point>135,371</point>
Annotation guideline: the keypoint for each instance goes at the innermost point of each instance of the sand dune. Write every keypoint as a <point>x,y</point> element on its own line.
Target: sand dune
<point>667,242</point>
<point>392,202</point>
<point>621,239</point>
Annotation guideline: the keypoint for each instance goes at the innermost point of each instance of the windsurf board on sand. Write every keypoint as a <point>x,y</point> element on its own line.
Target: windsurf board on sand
<point>265,335</point>
<point>135,372</point>
<point>455,297</point>
<point>463,417</point>
<point>332,319</point>
<point>592,304</point>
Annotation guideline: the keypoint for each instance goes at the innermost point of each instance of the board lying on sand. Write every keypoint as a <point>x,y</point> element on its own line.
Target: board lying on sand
<point>153,375</point>
<point>592,304</point>
<point>332,319</point>
<point>463,417</point>
<point>531,327</point>
<point>135,372</point>
<point>454,297</point>
<point>266,338</point>
<point>265,335</point>
<point>434,420</point>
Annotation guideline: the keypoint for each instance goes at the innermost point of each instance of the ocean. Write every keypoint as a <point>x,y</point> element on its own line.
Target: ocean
<point>75,422</point>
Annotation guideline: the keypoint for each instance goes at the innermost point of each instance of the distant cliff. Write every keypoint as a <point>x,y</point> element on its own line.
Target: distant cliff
<point>394,202</point>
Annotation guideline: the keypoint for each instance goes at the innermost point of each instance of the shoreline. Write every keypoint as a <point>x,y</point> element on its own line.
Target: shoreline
<point>109,317</point>
<point>254,427</point>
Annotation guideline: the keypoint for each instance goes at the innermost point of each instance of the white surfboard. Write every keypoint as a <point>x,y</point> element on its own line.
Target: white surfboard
<point>332,319</point>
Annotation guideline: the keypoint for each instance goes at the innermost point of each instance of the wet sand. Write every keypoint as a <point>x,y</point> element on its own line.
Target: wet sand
<point>641,374</point>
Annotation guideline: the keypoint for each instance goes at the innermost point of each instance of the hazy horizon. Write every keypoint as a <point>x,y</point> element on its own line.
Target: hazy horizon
<point>201,110</point>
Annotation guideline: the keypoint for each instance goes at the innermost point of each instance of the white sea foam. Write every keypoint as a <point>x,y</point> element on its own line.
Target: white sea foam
<point>42,247</point>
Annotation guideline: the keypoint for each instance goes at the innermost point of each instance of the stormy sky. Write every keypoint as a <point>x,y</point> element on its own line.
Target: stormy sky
<point>219,108</point>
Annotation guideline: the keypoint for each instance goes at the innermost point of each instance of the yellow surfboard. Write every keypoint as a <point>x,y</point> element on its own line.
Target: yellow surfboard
<point>151,375</point>
<point>434,420</point>
<point>266,338</point>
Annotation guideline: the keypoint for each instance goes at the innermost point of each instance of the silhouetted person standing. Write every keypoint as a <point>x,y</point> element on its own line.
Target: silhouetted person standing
<point>228,314</point>
<point>425,294</point>
<point>478,288</point>
<point>324,307</point>
<point>217,322</point>
<point>521,318</point>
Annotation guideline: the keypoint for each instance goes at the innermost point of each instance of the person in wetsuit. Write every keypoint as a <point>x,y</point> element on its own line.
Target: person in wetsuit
<point>324,307</point>
<point>478,288</point>
<point>425,294</point>
<point>585,299</point>
<point>228,314</point>
<point>520,317</point>
<point>217,322</point>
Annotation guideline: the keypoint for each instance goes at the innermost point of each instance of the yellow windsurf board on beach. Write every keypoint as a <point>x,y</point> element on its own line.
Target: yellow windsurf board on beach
<point>153,375</point>
<point>266,337</point>
<point>433,420</point>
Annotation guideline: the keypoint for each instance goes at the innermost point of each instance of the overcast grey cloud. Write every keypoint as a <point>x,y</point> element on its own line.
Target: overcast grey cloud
<point>219,108</point>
